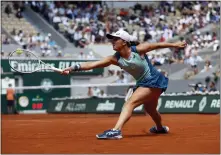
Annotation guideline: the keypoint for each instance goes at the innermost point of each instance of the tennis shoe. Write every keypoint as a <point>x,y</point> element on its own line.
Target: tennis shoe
<point>165,129</point>
<point>110,134</point>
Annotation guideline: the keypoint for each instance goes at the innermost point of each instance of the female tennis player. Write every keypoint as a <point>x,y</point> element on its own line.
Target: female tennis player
<point>149,82</point>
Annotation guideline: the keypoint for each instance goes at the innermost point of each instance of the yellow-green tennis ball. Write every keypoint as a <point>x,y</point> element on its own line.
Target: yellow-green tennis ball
<point>19,51</point>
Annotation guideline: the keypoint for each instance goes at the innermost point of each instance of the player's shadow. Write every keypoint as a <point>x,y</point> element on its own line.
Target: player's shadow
<point>144,134</point>
<point>141,135</point>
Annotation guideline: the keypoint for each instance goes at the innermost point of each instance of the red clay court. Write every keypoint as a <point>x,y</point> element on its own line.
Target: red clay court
<point>75,133</point>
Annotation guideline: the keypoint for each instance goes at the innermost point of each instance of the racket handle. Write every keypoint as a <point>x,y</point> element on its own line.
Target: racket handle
<point>56,69</point>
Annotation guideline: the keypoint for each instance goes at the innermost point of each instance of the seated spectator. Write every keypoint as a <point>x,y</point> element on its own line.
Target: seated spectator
<point>207,66</point>
<point>121,79</point>
<point>13,32</point>
<point>70,33</point>
<point>58,51</point>
<point>193,62</point>
<point>83,42</point>
<point>90,56</point>
<point>162,39</point>
<point>96,91</point>
<point>45,49</point>
<point>208,37</point>
<point>110,72</point>
<point>81,56</point>
<point>51,43</point>
<point>19,14</point>
<point>39,37</point>
<point>212,87</point>
<point>216,45</point>
<point>90,92</point>
<point>76,37</point>
<point>31,41</point>
<point>158,60</point>
<point>7,41</point>
<point>102,94</point>
<point>56,21</point>
<point>8,10</point>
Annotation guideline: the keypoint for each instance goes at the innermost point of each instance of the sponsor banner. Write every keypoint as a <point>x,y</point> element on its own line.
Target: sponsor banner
<point>91,105</point>
<point>106,106</point>
<point>190,104</point>
<point>166,104</point>
<point>30,102</point>
<point>28,66</point>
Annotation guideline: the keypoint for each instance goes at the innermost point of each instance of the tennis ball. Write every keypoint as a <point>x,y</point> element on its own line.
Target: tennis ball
<point>19,51</point>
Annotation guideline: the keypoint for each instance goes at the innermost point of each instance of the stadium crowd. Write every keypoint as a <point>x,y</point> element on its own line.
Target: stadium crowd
<point>151,24</point>
<point>28,40</point>
<point>90,21</point>
<point>83,23</point>
<point>210,84</point>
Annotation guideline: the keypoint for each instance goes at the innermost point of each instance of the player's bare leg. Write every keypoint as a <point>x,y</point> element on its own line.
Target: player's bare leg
<point>154,114</point>
<point>156,117</point>
<point>140,96</point>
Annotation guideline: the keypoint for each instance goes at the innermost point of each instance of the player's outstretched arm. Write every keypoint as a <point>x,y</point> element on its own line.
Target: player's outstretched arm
<point>91,65</point>
<point>147,47</point>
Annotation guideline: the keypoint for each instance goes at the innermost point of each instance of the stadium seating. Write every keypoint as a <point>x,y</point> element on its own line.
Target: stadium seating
<point>175,69</point>
<point>11,22</point>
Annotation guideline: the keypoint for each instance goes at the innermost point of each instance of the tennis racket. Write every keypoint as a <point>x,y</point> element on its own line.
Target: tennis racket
<point>24,61</point>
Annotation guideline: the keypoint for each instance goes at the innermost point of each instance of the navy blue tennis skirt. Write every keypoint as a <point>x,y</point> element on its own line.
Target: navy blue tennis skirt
<point>159,81</point>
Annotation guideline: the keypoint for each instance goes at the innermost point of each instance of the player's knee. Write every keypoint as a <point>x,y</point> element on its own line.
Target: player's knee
<point>133,104</point>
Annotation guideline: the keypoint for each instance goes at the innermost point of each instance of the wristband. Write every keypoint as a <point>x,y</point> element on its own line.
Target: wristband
<point>76,67</point>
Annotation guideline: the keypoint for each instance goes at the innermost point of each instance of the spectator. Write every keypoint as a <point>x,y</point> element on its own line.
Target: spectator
<point>207,66</point>
<point>158,60</point>
<point>96,91</point>
<point>13,32</point>
<point>83,42</point>
<point>70,33</point>
<point>90,92</point>
<point>81,56</point>
<point>2,53</point>
<point>58,51</point>
<point>10,96</point>
<point>7,41</point>
<point>207,81</point>
<point>90,56</point>
<point>19,14</point>
<point>216,45</point>
<point>97,18</point>
<point>56,21</point>
<point>212,87</point>
<point>193,62</point>
<point>45,49</point>
<point>77,37</point>
<point>8,10</point>
<point>102,94</point>
<point>39,37</point>
<point>121,78</point>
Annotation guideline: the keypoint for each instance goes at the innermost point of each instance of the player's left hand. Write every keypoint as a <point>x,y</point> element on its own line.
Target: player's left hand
<point>181,44</point>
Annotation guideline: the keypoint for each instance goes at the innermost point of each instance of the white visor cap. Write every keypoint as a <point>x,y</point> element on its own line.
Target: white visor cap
<point>120,34</point>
